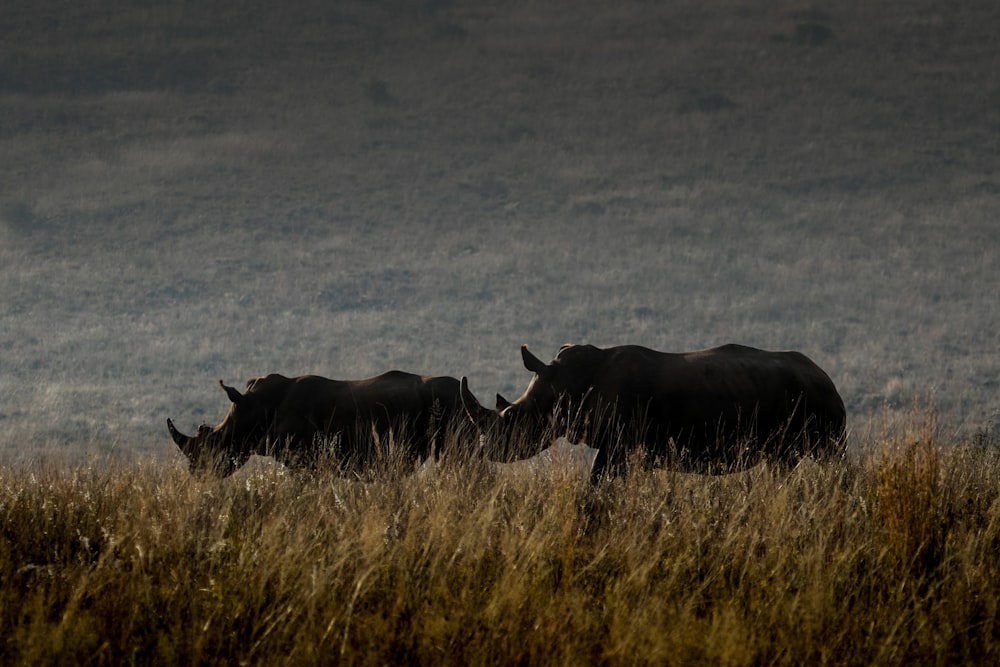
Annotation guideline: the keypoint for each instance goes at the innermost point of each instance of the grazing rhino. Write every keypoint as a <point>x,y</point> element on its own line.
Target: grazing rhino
<point>296,420</point>
<point>714,411</point>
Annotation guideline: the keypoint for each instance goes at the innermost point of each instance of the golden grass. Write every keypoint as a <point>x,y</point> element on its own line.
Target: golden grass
<point>889,559</point>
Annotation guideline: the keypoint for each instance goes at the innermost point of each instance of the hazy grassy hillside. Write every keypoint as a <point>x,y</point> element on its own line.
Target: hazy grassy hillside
<point>344,188</point>
<point>886,560</point>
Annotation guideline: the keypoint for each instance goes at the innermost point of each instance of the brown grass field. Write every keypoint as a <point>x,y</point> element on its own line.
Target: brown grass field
<point>890,559</point>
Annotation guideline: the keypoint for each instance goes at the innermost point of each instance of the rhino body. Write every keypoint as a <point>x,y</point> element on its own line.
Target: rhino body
<point>297,420</point>
<point>711,411</point>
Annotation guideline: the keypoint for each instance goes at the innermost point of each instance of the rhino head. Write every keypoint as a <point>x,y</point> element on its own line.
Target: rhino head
<point>521,428</point>
<point>223,449</point>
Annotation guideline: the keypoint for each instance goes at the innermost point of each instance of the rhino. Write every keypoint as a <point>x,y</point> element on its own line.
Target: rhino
<point>299,420</point>
<point>712,411</point>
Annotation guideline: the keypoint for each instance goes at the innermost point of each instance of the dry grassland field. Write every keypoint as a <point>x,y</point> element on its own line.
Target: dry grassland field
<point>191,192</point>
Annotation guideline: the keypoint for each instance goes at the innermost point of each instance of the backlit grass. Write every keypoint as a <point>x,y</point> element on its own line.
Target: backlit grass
<point>890,558</point>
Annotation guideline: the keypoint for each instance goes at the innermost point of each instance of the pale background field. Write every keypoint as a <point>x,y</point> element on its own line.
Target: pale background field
<point>190,193</point>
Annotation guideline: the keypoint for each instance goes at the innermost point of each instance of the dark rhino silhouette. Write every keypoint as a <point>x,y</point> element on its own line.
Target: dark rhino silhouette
<point>713,411</point>
<point>298,420</point>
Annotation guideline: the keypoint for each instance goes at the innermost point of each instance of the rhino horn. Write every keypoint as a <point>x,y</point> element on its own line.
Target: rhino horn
<point>182,441</point>
<point>478,415</point>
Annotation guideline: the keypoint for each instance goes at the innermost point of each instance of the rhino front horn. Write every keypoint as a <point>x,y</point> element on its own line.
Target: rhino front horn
<point>179,438</point>
<point>478,415</point>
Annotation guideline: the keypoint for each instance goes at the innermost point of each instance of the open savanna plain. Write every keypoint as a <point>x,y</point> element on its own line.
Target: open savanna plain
<point>888,559</point>
<point>190,193</point>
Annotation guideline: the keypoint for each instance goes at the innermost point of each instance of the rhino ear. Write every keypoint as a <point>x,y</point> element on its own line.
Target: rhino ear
<point>534,364</point>
<point>234,395</point>
<point>502,403</point>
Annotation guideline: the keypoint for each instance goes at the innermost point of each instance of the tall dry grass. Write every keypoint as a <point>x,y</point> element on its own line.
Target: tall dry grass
<point>888,559</point>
